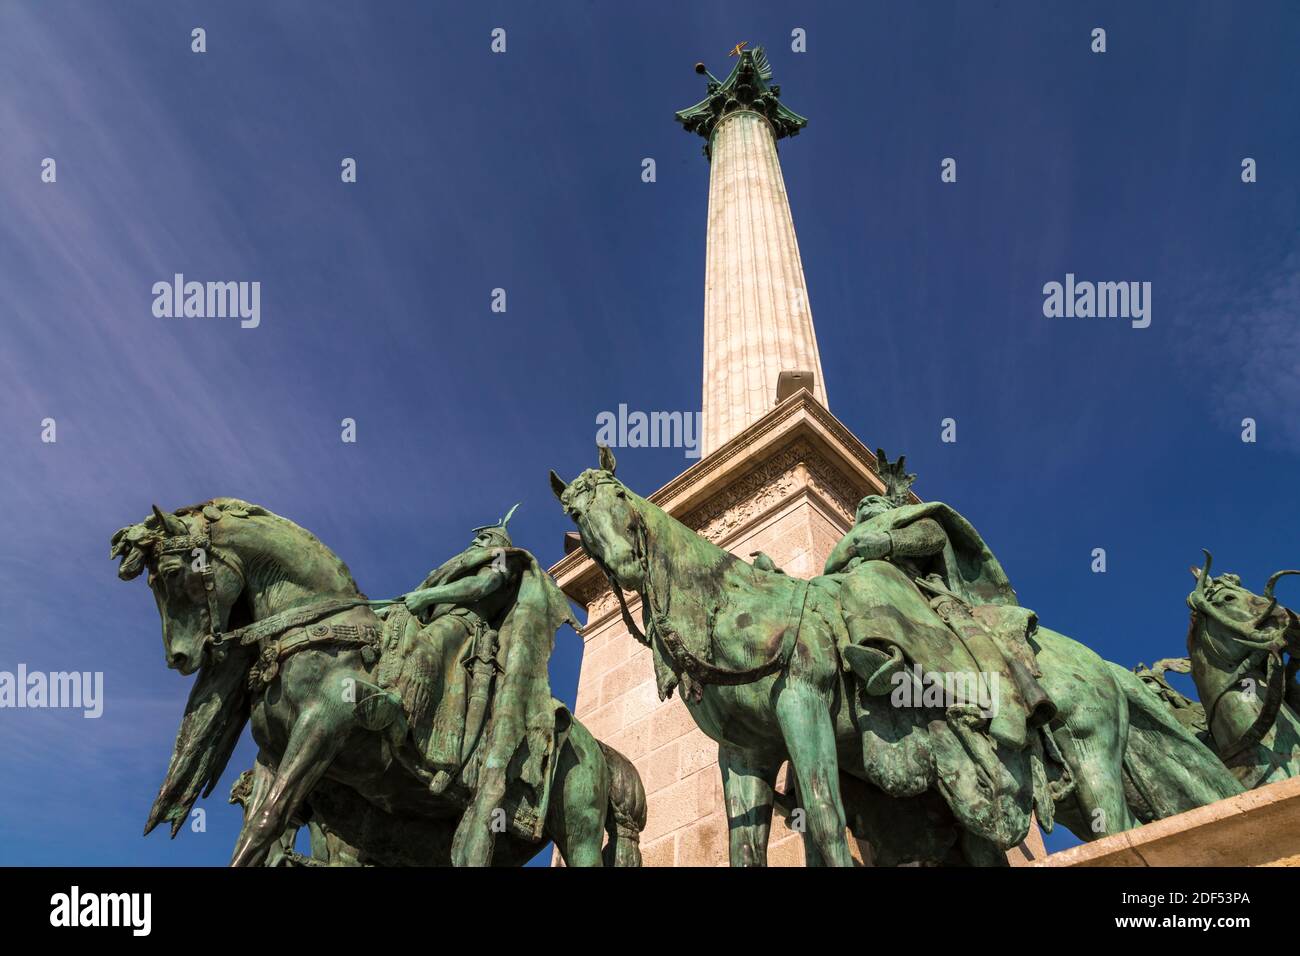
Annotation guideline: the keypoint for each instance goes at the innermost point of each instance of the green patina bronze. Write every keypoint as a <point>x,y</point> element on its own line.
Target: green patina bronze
<point>830,674</point>
<point>747,87</point>
<point>422,730</point>
<point>1189,712</point>
<point>422,734</point>
<point>1243,650</point>
<point>1243,653</point>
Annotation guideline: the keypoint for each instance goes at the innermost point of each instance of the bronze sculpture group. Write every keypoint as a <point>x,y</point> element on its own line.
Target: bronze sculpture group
<point>424,736</point>
<point>918,704</point>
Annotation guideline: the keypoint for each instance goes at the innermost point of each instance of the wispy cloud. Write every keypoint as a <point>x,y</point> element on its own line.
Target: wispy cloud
<point>1246,348</point>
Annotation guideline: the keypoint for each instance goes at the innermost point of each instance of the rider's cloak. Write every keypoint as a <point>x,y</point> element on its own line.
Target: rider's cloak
<point>966,564</point>
<point>523,711</point>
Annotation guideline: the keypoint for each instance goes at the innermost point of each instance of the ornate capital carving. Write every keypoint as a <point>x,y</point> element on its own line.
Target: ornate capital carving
<point>746,88</point>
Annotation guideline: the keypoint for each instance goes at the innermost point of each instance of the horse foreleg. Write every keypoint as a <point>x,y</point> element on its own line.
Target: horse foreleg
<point>313,744</point>
<point>806,726</point>
<point>1092,742</point>
<point>576,818</point>
<point>261,777</point>
<point>747,784</point>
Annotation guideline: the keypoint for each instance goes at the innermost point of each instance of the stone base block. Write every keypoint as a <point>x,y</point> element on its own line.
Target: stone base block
<point>1259,828</point>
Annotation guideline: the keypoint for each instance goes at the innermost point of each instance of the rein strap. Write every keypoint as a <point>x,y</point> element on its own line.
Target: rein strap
<point>277,624</point>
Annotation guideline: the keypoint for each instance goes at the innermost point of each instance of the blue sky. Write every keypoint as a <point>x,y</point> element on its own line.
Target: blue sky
<point>522,171</point>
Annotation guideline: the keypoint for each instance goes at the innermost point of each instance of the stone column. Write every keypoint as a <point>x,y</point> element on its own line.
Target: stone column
<point>757,321</point>
<point>782,479</point>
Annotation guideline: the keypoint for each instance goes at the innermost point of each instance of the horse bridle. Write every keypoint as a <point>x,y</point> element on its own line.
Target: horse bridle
<point>258,632</point>
<point>186,545</point>
<point>1276,676</point>
<point>700,671</point>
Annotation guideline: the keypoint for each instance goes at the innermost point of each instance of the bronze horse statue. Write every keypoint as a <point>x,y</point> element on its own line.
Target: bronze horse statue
<point>233,580</point>
<point>1244,650</point>
<point>756,654</point>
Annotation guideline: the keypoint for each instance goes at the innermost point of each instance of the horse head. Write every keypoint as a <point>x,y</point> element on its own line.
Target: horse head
<point>215,568</point>
<point>196,578</point>
<point>609,520</point>
<point>641,548</point>
<point>1232,621</point>
<point>1236,641</point>
<point>221,565</point>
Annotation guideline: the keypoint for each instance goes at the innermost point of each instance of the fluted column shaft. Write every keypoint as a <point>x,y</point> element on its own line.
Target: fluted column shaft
<point>757,321</point>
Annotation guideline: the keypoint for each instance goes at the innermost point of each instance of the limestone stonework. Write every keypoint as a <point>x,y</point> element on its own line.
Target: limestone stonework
<point>757,320</point>
<point>1256,828</point>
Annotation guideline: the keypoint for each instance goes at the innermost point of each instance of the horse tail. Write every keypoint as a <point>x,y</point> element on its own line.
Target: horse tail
<point>1171,770</point>
<point>625,818</point>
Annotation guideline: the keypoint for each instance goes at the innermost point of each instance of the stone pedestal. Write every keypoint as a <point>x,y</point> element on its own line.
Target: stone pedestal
<point>1257,828</point>
<point>788,485</point>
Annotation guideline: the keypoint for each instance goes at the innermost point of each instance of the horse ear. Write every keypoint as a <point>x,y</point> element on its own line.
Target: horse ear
<point>607,461</point>
<point>557,485</point>
<point>1196,572</point>
<point>170,524</point>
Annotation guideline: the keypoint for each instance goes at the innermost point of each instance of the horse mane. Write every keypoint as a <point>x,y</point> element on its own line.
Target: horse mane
<point>135,543</point>
<point>716,553</point>
<point>244,509</point>
<point>228,505</point>
<point>694,556</point>
<point>1191,630</point>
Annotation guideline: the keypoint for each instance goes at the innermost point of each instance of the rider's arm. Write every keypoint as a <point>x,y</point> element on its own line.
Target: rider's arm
<point>860,542</point>
<point>844,553</point>
<point>917,540</point>
<point>920,539</point>
<point>463,591</point>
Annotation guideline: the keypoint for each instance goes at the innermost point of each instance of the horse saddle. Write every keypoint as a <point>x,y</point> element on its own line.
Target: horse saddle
<point>982,650</point>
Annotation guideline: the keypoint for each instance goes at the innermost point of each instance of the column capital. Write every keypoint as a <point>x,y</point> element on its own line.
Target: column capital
<point>747,87</point>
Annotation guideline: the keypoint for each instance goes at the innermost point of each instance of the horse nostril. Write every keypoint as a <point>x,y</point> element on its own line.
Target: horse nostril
<point>177,662</point>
